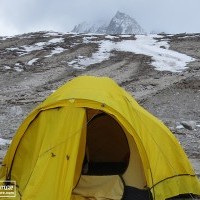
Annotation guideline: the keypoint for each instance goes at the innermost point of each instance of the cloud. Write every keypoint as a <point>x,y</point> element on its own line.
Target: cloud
<point>7,29</point>
<point>61,15</point>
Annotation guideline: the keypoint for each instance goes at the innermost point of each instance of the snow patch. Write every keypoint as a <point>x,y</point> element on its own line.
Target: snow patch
<point>30,62</point>
<point>111,37</point>
<point>6,37</point>
<point>18,67</point>
<point>27,49</point>
<point>163,59</point>
<point>125,36</point>
<point>56,50</point>
<point>12,48</point>
<point>40,44</point>
<point>7,67</point>
<point>56,40</point>
<point>87,39</point>
<point>49,34</point>
<point>102,54</point>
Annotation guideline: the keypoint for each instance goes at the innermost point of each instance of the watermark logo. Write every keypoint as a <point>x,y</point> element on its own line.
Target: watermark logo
<point>7,189</point>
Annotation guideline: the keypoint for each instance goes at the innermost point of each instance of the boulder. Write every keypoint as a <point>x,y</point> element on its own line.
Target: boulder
<point>190,125</point>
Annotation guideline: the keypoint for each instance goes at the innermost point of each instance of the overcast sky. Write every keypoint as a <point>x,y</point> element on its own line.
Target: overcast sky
<point>170,16</point>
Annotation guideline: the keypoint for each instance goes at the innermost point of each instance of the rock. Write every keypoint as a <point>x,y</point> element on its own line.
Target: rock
<point>163,47</point>
<point>179,126</point>
<point>2,154</point>
<point>190,125</point>
<point>4,142</point>
<point>196,165</point>
<point>16,110</point>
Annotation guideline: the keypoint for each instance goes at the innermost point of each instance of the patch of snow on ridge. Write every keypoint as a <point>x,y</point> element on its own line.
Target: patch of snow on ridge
<point>40,44</point>
<point>56,50</point>
<point>49,34</point>
<point>56,40</point>
<point>7,67</point>
<point>88,39</point>
<point>163,58</point>
<point>101,55</point>
<point>6,37</point>
<point>111,37</point>
<point>26,49</point>
<point>32,61</point>
<point>18,67</point>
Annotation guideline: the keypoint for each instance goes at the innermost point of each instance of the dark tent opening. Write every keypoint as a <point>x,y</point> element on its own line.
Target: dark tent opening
<point>107,149</point>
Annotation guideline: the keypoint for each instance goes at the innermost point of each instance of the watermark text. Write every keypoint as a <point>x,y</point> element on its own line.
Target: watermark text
<point>7,188</point>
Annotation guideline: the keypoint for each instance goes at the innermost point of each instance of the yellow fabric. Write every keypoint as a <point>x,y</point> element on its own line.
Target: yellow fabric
<point>170,187</point>
<point>100,187</point>
<point>78,197</point>
<point>44,163</point>
<point>134,175</point>
<point>163,159</point>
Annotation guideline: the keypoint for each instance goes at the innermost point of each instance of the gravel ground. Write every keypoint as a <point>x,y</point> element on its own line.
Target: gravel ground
<point>173,97</point>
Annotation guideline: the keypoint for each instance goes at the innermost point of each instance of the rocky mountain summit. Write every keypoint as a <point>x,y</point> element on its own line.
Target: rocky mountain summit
<point>162,72</point>
<point>121,23</point>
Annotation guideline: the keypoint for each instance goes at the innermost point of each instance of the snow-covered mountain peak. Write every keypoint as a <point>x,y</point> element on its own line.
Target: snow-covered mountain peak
<point>121,23</point>
<point>85,27</point>
<point>82,27</point>
<point>121,16</point>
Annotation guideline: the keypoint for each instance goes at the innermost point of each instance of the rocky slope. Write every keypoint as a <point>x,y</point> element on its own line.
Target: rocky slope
<point>33,65</point>
<point>121,23</point>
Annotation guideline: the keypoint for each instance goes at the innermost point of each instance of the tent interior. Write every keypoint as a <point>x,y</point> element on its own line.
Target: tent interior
<point>112,164</point>
<point>107,149</point>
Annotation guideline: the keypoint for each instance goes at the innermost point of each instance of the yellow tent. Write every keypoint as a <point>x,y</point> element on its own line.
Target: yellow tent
<point>91,139</point>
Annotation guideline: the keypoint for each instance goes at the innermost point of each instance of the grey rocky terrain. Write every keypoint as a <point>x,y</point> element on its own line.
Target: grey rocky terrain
<point>33,65</point>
